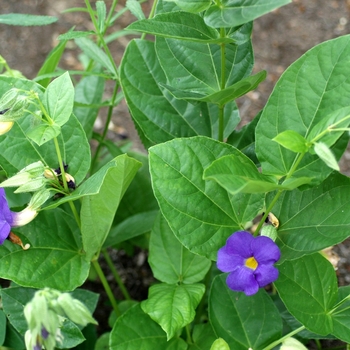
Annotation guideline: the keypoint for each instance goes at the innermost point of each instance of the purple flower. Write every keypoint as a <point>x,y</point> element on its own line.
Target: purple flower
<point>6,217</point>
<point>9,219</point>
<point>249,260</point>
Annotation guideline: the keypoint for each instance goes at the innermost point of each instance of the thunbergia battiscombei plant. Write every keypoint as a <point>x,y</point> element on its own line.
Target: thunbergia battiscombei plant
<point>234,220</point>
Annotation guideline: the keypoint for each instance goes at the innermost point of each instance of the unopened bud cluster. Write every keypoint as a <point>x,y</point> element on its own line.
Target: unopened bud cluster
<point>12,107</point>
<point>45,314</point>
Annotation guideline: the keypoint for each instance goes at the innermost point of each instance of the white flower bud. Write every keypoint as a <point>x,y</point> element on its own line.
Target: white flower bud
<point>24,217</point>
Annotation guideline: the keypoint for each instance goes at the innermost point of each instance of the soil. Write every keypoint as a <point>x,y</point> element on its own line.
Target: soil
<point>279,39</point>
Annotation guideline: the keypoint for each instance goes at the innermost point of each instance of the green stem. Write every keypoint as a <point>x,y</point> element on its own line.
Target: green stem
<point>275,343</point>
<point>188,334</point>
<point>60,163</point>
<point>222,85</point>
<point>116,274</point>
<point>105,130</point>
<point>273,202</point>
<point>106,287</point>
<point>275,199</point>
<point>151,14</point>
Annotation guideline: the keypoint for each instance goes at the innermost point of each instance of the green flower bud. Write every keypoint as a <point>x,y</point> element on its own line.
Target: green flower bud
<point>8,99</point>
<point>25,175</point>
<point>75,310</point>
<point>32,185</point>
<point>269,231</point>
<point>38,199</point>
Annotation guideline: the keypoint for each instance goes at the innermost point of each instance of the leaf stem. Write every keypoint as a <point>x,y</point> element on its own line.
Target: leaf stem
<point>222,85</point>
<point>105,130</point>
<point>272,345</point>
<point>116,274</point>
<point>106,286</point>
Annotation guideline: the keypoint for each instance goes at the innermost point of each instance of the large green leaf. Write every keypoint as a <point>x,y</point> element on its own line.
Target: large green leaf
<point>170,261</point>
<point>308,225</point>
<point>55,258</point>
<point>200,213</point>
<point>173,306</point>
<point>196,68</point>
<point>308,288</point>
<point>310,90</point>
<point>98,210</point>
<point>147,335</point>
<point>159,117</point>
<point>243,321</point>
<point>230,13</point>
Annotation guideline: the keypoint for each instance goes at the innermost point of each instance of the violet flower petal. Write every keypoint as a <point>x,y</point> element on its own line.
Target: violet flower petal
<point>265,274</point>
<point>265,250</point>
<point>240,243</point>
<point>6,217</point>
<point>228,262</point>
<point>243,280</point>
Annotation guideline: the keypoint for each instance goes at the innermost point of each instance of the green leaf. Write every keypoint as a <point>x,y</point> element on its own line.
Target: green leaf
<point>237,173</point>
<point>312,278</point>
<point>95,53</point>
<point>55,258</point>
<point>131,227</point>
<point>2,327</point>
<point>97,211</point>
<point>338,119</point>
<point>193,5</point>
<point>322,150</point>
<point>173,306</point>
<point>88,93</point>
<point>234,13</point>
<point>306,94</point>
<point>125,336</point>
<point>308,225</point>
<point>178,58</point>
<point>292,140</point>
<point>59,99</point>
<point>158,116</point>
<point>243,321</point>
<point>43,133</point>
<point>203,336</point>
<point>170,261</point>
<point>51,63</point>
<point>101,15</point>
<point>341,315</point>
<point>179,25</point>
<point>21,19</point>
<point>223,96</point>
<point>135,8</point>
<point>219,344</point>
<point>201,214</point>
<point>74,35</point>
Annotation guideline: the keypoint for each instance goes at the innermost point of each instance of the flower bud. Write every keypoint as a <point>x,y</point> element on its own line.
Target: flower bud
<point>32,185</point>
<point>5,127</point>
<point>38,199</point>
<point>8,99</point>
<point>24,217</point>
<point>16,111</point>
<point>269,231</point>
<point>27,174</point>
<point>75,310</point>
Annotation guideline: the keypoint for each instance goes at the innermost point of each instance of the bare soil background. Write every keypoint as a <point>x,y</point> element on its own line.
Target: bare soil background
<point>279,38</point>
